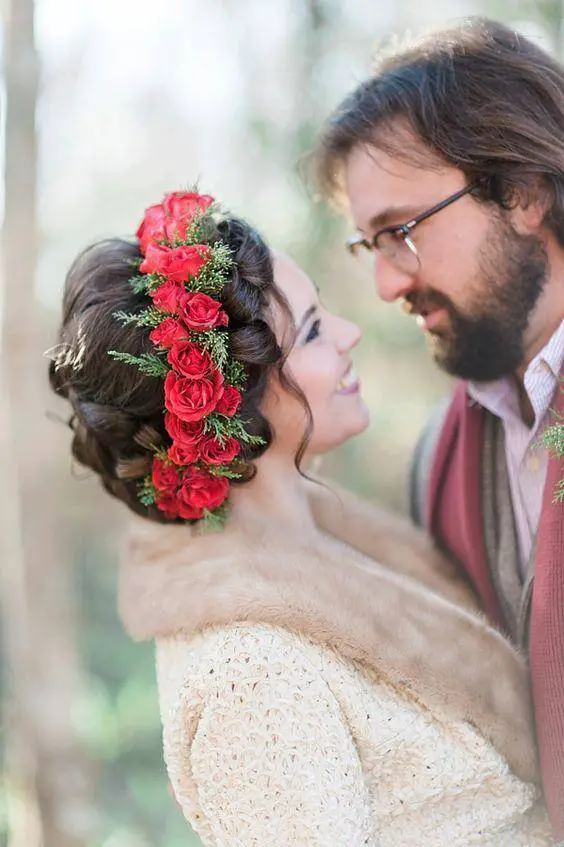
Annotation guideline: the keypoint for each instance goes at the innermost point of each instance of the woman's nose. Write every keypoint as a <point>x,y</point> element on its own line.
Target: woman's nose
<point>348,336</point>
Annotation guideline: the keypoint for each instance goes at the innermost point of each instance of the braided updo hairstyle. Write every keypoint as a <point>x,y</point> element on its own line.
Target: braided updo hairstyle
<point>117,410</point>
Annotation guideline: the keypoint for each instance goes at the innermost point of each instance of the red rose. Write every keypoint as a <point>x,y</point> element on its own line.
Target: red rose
<point>188,512</point>
<point>178,264</point>
<point>186,439</point>
<point>183,454</point>
<point>172,507</point>
<point>214,453</point>
<point>201,312</point>
<point>168,332</point>
<point>177,230</point>
<point>186,204</point>
<point>201,490</point>
<point>164,475</point>
<point>152,227</point>
<point>189,360</point>
<point>171,219</point>
<point>229,401</point>
<point>192,399</point>
<point>167,296</point>
<point>181,432</point>
<point>167,504</point>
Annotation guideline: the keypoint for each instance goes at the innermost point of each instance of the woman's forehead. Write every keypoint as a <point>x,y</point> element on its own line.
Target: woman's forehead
<point>294,283</point>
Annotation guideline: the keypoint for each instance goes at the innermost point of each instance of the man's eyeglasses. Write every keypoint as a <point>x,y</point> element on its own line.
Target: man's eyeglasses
<point>395,242</point>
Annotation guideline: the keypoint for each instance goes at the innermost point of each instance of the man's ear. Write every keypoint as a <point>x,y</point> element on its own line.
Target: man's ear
<point>531,207</point>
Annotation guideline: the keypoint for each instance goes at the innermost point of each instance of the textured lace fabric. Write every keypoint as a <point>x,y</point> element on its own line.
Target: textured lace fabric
<point>272,740</point>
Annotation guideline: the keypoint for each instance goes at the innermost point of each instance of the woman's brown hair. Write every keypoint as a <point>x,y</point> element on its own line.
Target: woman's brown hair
<point>118,411</point>
<point>480,97</point>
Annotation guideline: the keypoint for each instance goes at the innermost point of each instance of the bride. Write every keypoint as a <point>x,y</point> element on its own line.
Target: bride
<point>324,678</point>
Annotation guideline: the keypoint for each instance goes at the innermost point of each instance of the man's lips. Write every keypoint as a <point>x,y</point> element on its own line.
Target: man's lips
<point>429,320</point>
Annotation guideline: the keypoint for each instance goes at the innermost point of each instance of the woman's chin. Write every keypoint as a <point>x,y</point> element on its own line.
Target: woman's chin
<point>350,425</point>
<point>355,419</point>
<point>361,420</point>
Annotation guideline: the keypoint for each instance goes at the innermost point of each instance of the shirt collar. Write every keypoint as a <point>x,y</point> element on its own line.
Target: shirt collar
<point>499,397</point>
<point>553,354</point>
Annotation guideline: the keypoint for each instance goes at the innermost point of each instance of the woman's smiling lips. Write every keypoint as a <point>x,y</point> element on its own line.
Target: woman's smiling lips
<point>349,382</point>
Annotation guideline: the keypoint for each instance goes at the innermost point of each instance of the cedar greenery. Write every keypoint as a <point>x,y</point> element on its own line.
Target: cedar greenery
<point>223,427</point>
<point>215,342</point>
<point>147,493</point>
<point>235,374</point>
<point>213,521</point>
<point>147,317</point>
<point>148,363</point>
<point>553,439</point>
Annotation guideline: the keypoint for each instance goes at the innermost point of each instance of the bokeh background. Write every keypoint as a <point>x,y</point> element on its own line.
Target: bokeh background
<point>106,105</point>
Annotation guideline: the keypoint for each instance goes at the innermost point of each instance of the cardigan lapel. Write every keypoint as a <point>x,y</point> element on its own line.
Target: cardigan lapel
<point>547,640</point>
<point>455,515</point>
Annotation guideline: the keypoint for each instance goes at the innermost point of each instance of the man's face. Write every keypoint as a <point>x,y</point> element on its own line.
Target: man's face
<point>478,279</point>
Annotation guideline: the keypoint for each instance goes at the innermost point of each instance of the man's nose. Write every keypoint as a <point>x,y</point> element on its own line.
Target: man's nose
<point>391,283</point>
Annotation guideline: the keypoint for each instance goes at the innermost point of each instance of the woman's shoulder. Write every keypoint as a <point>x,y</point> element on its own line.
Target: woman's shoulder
<point>255,740</point>
<point>233,650</point>
<point>279,661</point>
<point>255,660</point>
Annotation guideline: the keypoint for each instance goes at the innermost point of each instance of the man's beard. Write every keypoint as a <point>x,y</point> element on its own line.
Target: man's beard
<point>487,341</point>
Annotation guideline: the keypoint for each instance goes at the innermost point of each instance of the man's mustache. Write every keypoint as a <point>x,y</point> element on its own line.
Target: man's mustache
<point>423,302</point>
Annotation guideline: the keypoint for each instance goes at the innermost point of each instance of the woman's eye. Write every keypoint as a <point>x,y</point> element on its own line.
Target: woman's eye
<point>313,331</point>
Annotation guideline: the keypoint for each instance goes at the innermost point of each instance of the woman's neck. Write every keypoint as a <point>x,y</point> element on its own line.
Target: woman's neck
<point>276,498</point>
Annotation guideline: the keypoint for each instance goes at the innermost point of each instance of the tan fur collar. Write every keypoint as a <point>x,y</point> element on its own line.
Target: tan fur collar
<point>173,580</point>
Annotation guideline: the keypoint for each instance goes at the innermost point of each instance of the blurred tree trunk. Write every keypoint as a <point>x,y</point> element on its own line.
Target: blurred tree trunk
<point>311,110</point>
<point>47,780</point>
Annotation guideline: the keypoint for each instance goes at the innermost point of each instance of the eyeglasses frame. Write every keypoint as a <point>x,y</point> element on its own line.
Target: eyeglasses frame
<point>405,229</point>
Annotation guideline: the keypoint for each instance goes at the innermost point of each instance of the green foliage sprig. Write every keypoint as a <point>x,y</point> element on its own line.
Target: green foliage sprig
<point>213,521</point>
<point>223,427</point>
<point>147,493</point>
<point>149,363</point>
<point>147,317</point>
<point>211,278</point>
<point>553,439</point>
<point>216,344</point>
<point>235,373</point>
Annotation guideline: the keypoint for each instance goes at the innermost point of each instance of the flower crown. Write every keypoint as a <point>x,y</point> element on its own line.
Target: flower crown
<point>183,271</point>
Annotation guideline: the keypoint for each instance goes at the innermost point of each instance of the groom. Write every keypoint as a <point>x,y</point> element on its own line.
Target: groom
<point>452,159</point>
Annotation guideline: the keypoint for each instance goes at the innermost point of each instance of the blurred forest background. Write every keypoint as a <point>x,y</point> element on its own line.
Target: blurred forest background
<point>106,105</point>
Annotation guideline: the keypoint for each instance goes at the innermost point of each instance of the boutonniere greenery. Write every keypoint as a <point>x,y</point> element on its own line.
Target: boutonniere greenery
<point>553,439</point>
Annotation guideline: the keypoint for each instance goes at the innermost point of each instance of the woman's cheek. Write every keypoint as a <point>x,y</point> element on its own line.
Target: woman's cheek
<point>316,369</point>
<point>327,368</point>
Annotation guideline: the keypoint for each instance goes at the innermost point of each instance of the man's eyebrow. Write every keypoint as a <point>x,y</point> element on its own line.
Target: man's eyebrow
<point>309,312</point>
<point>398,214</point>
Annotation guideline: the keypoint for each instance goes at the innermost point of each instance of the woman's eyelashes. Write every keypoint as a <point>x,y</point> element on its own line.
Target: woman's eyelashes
<point>313,331</point>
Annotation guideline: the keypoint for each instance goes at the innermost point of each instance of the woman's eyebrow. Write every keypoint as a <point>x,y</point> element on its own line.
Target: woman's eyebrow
<point>309,312</point>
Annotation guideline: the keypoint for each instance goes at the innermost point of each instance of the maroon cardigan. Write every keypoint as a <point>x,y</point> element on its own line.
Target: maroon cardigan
<point>455,519</point>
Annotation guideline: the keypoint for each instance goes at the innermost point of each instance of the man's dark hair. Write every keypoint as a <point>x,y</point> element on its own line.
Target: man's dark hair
<point>480,97</point>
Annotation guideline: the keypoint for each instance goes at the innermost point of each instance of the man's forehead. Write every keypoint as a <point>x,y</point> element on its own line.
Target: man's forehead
<point>378,182</point>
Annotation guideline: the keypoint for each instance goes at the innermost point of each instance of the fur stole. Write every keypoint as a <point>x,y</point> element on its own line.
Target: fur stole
<point>400,631</point>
